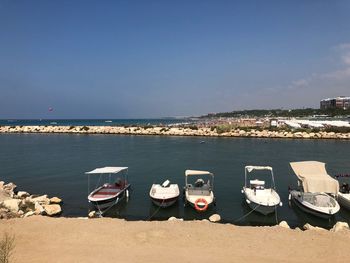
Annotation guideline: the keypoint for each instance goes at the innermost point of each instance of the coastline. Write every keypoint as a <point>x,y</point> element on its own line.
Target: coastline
<point>175,131</point>
<point>43,239</point>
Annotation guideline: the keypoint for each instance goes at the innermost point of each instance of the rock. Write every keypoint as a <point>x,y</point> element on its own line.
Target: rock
<point>306,136</point>
<point>55,200</point>
<point>3,212</point>
<point>307,226</point>
<point>11,204</point>
<point>92,214</point>
<point>22,194</point>
<point>2,184</point>
<point>284,224</point>
<point>340,226</point>
<point>52,209</point>
<point>26,205</point>
<point>30,213</point>
<point>173,218</point>
<point>20,213</point>
<point>10,186</point>
<point>42,200</point>
<point>242,132</point>
<point>298,134</point>
<point>215,218</point>
<point>39,210</point>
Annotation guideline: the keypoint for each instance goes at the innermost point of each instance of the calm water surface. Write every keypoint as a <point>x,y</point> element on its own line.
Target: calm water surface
<point>55,164</point>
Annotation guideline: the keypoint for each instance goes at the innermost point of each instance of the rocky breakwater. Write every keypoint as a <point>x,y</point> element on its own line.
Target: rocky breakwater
<point>16,204</point>
<point>177,131</point>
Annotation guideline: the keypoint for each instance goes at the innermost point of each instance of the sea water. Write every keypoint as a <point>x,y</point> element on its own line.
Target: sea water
<point>55,164</point>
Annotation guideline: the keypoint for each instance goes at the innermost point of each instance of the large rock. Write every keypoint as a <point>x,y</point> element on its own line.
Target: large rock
<point>27,205</point>
<point>11,204</point>
<point>92,214</point>
<point>42,200</point>
<point>22,194</point>
<point>284,224</point>
<point>173,218</point>
<point>307,226</point>
<point>52,209</point>
<point>39,209</point>
<point>340,226</point>
<point>3,212</point>
<point>55,200</point>
<point>215,218</point>
<point>10,186</point>
<point>28,214</point>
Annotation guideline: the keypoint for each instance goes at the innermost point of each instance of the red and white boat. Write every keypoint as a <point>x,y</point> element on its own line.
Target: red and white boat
<point>111,192</point>
<point>164,195</point>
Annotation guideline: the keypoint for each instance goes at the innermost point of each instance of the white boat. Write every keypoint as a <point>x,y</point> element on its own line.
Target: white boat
<point>260,198</point>
<point>317,188</point>
<point>200,194</point>
<point>344,196</point>
<point>111,192</point>
<point>165,194</point>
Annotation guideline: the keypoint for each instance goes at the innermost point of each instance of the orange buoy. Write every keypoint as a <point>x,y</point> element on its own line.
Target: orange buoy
<point>201,200</point>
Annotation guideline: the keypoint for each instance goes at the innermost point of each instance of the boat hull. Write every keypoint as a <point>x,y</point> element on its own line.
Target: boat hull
<point>344,200</point>
<point>106,203</point>
<point>263,209</point>
<point>296,197</point>
<point>201,207</point>
<point>164,202</point>
<point>262,201</point>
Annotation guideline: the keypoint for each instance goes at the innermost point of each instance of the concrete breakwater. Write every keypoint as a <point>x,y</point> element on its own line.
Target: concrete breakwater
<point>175,131</point>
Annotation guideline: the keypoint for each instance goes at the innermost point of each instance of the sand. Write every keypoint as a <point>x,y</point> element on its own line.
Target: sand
<point>43,239</point>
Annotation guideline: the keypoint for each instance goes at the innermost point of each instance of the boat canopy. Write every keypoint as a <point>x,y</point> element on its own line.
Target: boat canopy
<point>314,177</point>
<point>107,170</point>
<point>196,172</point>
<point>251,168</point>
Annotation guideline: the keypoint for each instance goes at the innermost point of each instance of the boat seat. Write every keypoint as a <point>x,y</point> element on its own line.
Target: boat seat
<point>257,184</point>
<point>166,183</point>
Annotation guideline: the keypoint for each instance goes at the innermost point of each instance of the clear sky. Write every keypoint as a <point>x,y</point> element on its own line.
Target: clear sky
<point>144,59</point>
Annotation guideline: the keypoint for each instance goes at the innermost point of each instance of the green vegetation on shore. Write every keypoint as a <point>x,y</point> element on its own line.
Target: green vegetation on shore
<point>280,113</point>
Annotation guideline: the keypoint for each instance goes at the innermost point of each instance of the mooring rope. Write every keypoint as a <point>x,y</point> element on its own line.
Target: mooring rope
<point>239,219</point>
<point>155,211</point>
<point>276,215</point>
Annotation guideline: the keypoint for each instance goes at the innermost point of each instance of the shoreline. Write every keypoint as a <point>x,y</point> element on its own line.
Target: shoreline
<point>43,239</point>
<point>174,131</point>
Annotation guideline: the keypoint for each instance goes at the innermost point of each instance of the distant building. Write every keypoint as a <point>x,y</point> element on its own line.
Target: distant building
<point>333,103</point>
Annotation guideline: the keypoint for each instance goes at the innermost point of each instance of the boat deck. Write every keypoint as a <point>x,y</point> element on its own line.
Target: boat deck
<point>320,200</point>
<point>107,191</point>
<point>157,191</point>
<point>263,196</point>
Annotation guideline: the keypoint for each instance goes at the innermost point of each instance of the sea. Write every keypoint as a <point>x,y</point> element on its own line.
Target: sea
<point>55,164</point>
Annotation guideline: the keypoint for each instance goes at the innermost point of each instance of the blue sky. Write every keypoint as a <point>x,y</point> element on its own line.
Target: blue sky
<point>143,59</point>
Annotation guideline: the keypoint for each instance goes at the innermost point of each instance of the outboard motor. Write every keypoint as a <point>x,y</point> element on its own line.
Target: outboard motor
<point>345,188</point>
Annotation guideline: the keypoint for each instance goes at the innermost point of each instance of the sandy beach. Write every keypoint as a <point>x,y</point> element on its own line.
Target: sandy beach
<point>43,239</point>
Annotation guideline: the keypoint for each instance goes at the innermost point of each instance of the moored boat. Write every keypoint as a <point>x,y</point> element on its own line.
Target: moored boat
<point>317,187</point>
<point>165,194</point>
<point>344,196</point>
<point>318,204</point>
<point>200,194</point>
<point>260,198</point>
<point>109,193</point>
